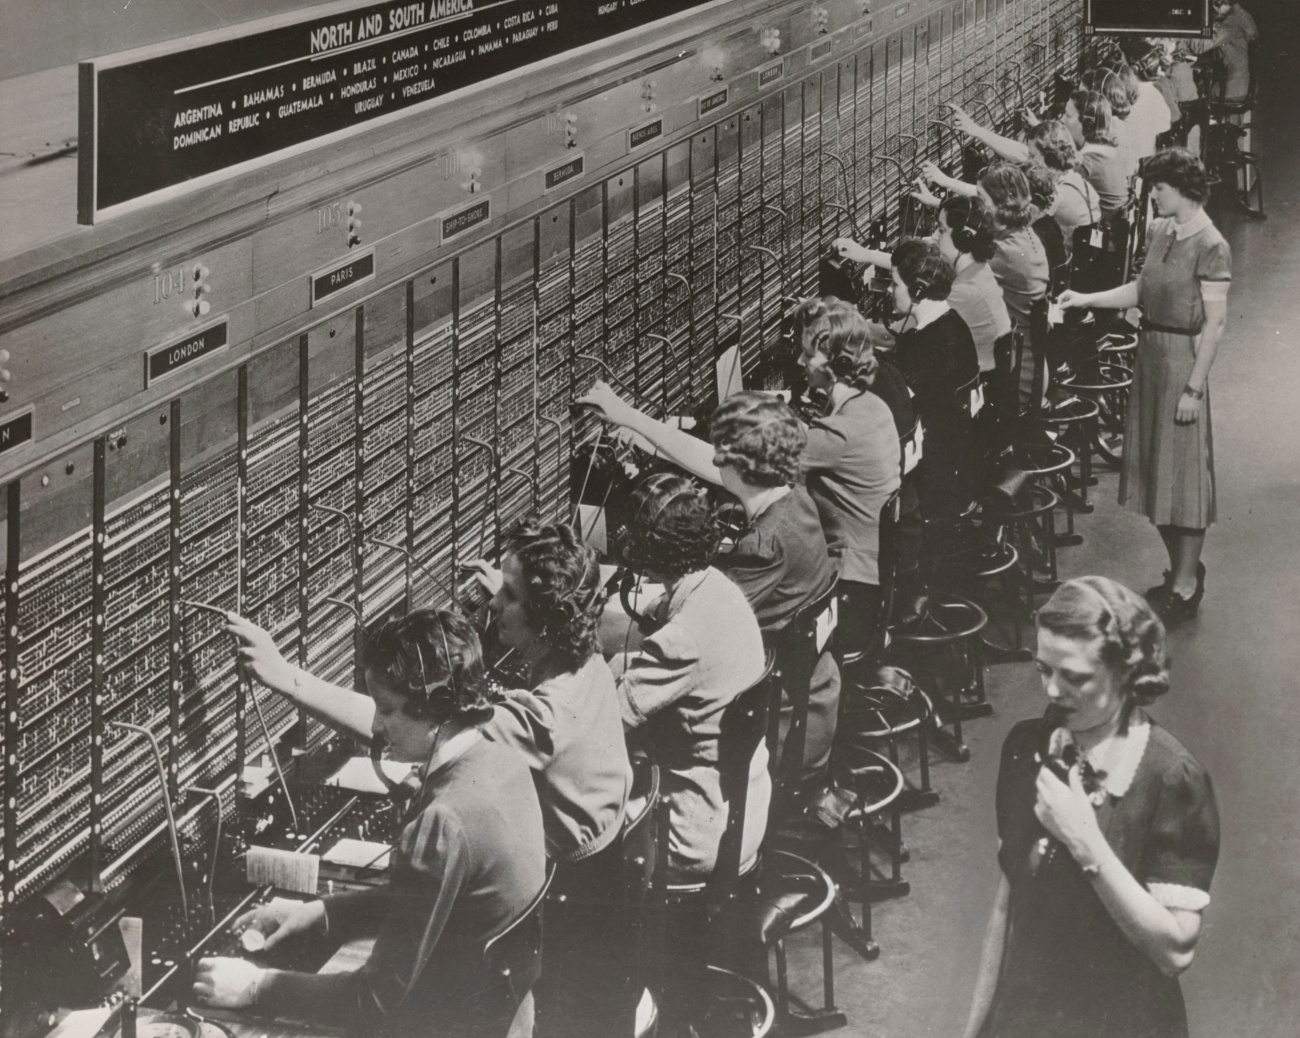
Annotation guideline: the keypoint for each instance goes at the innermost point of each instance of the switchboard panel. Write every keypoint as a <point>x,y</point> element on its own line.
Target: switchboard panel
<point>349,468</point>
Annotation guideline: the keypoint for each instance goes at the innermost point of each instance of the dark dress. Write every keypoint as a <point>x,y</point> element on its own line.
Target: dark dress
<point>1067,969</point>
<point>782,563</point>
<point>937,361</point>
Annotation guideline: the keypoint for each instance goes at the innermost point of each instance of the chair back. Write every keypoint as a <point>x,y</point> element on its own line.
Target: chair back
<point>512,962</point>
<point>743,729</point>
<point>795,651</point>
<point>969,397</point>
<point>888,562</point>
<point>639,842</point>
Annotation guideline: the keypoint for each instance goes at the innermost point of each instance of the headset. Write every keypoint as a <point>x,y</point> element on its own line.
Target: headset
<point>629,579</point>
<point>408,787</point>
<point>845,367</point>
<point>976,222</point>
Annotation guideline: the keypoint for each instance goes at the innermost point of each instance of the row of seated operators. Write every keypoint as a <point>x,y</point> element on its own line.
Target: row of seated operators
<point>523,725</point>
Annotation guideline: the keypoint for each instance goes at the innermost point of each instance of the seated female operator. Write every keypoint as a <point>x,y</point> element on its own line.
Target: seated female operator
<point>967,239</point>
<point>469,861</point>
<point>547,601</point>
<point>701,648</point>
<point>1019,261</point>
<point>780,560</point>
<point>938,359</point>
<point>853,458</point>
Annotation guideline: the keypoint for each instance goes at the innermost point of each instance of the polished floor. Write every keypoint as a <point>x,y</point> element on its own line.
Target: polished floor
<point>1236,674</point>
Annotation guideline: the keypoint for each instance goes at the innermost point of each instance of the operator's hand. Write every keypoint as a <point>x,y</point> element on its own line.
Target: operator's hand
<point>607,404</point>
<point>1072,300</point>
<point>932,174</point>
<point>924,195</point>
<point>847,248</point>
<point>488,576</point>
<point>281,918</point>
<point>259,655</point>
<point>962,122</point>
<point>227,983</point>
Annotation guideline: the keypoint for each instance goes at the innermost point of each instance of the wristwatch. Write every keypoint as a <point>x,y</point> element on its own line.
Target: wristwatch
<point>1195,394</point>
<point>1091,871</point>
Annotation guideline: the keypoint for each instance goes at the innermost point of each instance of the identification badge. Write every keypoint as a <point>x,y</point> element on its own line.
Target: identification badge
<point>826,624</point>
<point>1055,315</point>
<point>1097,240</point>
<point>977,399</point>
<point>912,449</point>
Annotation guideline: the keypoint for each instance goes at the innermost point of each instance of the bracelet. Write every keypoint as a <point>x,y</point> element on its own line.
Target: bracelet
<point>1091,871</point>
<point>1195,394</point>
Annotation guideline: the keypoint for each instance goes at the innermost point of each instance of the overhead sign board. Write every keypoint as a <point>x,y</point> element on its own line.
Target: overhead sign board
<point>174,117</point>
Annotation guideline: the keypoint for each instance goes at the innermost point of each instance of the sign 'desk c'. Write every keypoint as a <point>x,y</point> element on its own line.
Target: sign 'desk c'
<point>175,117</point>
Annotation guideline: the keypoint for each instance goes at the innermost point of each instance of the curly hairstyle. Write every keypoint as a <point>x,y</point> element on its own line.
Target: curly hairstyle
<point>1055,144</point>
<point>964,213</point>
<point>760,437</point>
<point>1181,170</point>
<point>1042,186</point>
<point>432,659</point>
<point>1008,189</point>
<point>847,340</point>
<point>922,268</point>
<point>562,577</point>
<point>1131,634</point>
<point>1096,117</point>
<point>671,530</point>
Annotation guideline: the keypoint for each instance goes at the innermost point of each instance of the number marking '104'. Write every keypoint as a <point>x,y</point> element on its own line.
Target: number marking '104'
<point>169,283</point>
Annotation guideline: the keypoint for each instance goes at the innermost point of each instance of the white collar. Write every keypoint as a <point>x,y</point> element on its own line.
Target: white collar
<point>1100,149</point>
<point>1195,225</point>
<point>1127,756</point>
<point>927,311</point>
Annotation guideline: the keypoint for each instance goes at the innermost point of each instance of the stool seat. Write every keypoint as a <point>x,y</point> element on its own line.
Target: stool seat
<point>734,1006</point>
<point>1042,459</point>
<point>1108,384</point>
<point>1070,411</point>
<point>946,619</point>
<point>791,894</point>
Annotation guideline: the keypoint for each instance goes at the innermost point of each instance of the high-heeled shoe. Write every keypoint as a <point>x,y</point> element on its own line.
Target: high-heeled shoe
<point>1174,608</point>
<point>1154,594</point>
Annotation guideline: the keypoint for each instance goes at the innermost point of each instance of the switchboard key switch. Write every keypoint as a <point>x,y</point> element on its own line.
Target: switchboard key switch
<point>552,329</point>
<point>589,306</point>
<point>385,397</point>
<point>383,439</point>
<point>330,423</point>
<point>380,468</point>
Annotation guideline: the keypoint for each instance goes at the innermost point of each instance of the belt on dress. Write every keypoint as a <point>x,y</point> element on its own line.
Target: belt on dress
<point>1168,329</point>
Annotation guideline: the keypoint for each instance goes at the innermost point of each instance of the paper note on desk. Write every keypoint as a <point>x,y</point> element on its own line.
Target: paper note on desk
<point>358,775</point>
<point>358,854</point>
<point>283,870</point>
<point>81,1023</point>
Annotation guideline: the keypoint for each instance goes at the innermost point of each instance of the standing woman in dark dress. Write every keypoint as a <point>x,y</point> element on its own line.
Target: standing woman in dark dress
<point>1108,838</point>
<point>1168,472</point>
<point>937,357</point>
